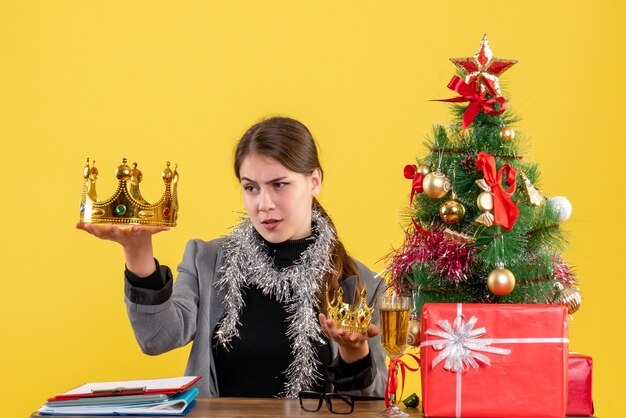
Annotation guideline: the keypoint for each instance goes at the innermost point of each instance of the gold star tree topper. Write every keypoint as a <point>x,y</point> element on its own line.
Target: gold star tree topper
<point>482,70</point>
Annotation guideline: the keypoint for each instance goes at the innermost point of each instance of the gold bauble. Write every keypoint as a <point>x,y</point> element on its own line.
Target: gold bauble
<point>413,337</point>
<point>423,169</point>
<point>571,298</point>
<point>436,185</point>
<point>501,281</point>
<point>507,134</point>
<point>452,211</point>
<point>485,201</point>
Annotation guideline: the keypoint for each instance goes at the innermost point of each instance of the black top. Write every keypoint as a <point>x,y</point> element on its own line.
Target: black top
<point>254,364</point>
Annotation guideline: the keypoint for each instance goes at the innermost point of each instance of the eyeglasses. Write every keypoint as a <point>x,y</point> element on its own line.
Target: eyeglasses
<point>337,403</point>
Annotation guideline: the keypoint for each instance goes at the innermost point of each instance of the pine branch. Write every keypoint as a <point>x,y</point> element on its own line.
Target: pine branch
<point>460,151</point>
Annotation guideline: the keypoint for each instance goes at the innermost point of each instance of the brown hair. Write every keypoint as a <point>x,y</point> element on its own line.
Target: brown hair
<point>290,143</point>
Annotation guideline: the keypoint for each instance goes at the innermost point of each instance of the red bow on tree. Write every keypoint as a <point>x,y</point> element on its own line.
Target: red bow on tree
<point>410,172</point>
<point>504,209</point>
<point>477,101</point>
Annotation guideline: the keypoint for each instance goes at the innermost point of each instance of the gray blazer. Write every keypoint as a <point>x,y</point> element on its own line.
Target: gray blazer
<point>172,317</point>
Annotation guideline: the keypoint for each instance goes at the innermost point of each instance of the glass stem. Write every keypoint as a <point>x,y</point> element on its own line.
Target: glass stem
<point>392,396</point>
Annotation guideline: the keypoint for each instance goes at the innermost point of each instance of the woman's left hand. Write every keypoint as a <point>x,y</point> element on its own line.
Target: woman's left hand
<point>352,346</point>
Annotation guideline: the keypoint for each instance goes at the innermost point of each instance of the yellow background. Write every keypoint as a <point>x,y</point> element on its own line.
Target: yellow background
<point>181,81</point>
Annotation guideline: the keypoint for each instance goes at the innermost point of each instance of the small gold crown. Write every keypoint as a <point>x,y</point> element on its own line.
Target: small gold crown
<point>353,318</point>
<point>127,206</point>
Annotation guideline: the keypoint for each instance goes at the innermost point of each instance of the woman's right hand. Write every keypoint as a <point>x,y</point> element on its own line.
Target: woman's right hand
<point>136,240</point>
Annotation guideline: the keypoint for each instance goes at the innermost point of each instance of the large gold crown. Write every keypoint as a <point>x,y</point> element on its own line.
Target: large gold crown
<point>353,318</point>
<point>127,206</point>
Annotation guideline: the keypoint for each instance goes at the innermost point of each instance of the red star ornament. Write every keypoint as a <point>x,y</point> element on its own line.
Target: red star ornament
<point>482,70</point>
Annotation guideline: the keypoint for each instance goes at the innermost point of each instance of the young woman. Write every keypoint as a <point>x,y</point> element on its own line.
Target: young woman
<point>253,302</point>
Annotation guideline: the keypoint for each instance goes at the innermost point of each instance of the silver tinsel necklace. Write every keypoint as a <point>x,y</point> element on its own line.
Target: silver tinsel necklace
<point>246,263</point>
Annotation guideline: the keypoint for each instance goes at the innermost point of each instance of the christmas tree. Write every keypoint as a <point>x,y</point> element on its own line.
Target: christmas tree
<point>480,230</point>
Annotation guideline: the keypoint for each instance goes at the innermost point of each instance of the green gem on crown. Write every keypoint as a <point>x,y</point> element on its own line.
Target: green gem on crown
<point>120,209</point>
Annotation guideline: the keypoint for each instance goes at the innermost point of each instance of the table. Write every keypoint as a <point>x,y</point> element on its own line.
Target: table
<point>265,408</point>
<point>268,407</point>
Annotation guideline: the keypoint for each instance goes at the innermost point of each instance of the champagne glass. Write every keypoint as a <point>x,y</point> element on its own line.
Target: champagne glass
<point>394,328</point>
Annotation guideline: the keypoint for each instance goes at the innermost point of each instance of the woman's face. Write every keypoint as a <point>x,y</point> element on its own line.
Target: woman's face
<point>277,199</point>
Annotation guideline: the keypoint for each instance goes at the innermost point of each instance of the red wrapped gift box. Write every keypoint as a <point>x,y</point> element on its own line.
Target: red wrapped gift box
<point>579,401</point>
<point>482,360</point>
